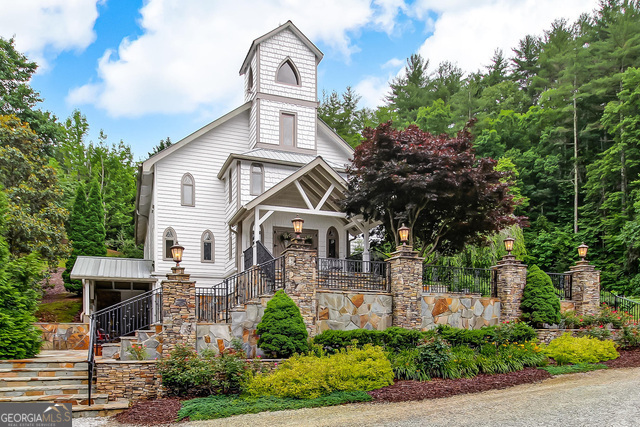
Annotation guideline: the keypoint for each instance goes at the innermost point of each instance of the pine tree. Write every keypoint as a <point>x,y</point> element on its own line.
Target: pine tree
<point>77,229</point>
<point>96,233</point>
<point>539,302</point>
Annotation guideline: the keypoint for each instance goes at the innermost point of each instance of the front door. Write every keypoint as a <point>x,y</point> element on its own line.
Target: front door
<point>282,238</point>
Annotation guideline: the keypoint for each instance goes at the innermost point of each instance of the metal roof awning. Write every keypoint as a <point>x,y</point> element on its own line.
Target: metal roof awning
<point>115,269</point>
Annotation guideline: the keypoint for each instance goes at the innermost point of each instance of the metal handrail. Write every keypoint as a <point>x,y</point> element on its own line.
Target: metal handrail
<point>439,278</point>
<point>621,303</point>
<point>91,356</point>
<point>356,275</point>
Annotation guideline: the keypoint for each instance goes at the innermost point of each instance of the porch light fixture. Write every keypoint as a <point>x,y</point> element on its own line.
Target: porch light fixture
<point>508,244</point>
<point>176,253</point>
<point>297,225</point>
<point>582,251</point>
<point>404,234</point>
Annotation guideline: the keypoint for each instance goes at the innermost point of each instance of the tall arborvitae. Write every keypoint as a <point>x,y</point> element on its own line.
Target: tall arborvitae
<point>96,233</point>
<point>77,230</point>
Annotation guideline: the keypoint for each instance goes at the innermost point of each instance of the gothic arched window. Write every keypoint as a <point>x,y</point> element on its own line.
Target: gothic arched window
<point>288,74</point>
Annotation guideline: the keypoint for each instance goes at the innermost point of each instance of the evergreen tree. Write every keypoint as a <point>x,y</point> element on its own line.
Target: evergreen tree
<point>282,331</point>
<point>96,233</point>
<point>539,302</point>
<point>78,229</point>
<point>409,93</point>
<point>19,339</point>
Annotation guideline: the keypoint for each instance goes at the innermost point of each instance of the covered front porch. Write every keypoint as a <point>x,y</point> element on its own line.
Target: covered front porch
<point>313,193</point>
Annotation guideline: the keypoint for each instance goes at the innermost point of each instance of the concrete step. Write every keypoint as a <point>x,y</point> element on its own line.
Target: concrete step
<point>99,410</point>
<point>43,381</point>
<point>40,372</point>
<point>74,399</point>
<point>43,390</point>
<point>42,364</point>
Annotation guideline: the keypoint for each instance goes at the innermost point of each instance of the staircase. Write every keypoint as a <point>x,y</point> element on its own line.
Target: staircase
<point>56,377</point>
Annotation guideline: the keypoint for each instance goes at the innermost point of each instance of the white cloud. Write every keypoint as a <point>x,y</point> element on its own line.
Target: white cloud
<point>394,63</point>
<point>373,90</point>
<point>44,28</point>
<point>188,56</point>
<point>468,32</point>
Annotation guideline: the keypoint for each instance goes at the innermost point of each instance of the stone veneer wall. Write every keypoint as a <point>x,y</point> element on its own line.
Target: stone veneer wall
<point>566,305</point>
<point>546,335</point>
<point>406,287</point>
<point>459,311</point>
<point>133,380</point>
<point>178,310</point>
<point>301,277</point>
<point>64,336</point>
<point>344,311</point>
<point>585,284</point>
<point>512,278</point>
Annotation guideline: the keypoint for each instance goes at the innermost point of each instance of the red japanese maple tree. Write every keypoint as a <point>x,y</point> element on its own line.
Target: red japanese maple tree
<point>433,183</point>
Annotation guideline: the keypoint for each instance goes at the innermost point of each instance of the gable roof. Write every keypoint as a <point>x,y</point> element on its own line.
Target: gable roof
<point>287,25</point>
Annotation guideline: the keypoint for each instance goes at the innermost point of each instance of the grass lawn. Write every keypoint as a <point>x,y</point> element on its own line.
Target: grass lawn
<point>573,369</point>
<point>60,311</point>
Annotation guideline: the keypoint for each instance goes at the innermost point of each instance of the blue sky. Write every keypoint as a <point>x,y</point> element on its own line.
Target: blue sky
<point>145,70</point>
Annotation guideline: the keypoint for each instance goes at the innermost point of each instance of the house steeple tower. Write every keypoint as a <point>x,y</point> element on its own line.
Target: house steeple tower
<point>280,80</point>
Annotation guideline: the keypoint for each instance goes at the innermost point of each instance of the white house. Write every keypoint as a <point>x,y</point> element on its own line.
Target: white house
<point>242,178</point>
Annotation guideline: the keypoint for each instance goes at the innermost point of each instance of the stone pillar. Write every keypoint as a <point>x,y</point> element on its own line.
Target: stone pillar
<point>512,278</point>
<point>178,310</point>
<point>585,288</point>
<point>301,279</point>
<point>406,287</point>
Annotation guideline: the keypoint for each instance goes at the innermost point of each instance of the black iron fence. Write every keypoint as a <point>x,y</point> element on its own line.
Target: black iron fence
<point>619,303</point>
<point>214,304</point>
<point>562,284</point>
<point>353,275</point>
<point>437,278</point>
<point>126,317</point>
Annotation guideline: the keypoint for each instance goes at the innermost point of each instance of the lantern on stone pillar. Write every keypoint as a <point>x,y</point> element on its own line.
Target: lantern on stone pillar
<point>176,253</point>
<point>582,251</point>
<point>297,225</point>
<point>404,234</point>
<point>508,244</point>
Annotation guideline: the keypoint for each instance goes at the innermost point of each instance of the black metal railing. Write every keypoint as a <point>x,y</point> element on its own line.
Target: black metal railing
<point>437,278</point>
<point>620,303</point>
<point>91,357</point>
<point>353,275</point>
<point>128,316</point>
<point>263,255</point>
<point>562,284</point>
<point>214,304</point>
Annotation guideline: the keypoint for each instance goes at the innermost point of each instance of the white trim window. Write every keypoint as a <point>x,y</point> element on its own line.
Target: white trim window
<point>288,129</point>
<point>188,190</point>
<point>257,179</point>
<point>287,73</point>
<point>207,247</point>
<point>169,238</point>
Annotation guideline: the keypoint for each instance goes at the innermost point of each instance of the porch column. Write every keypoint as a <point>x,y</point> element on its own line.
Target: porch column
<point>300,280</point>
<point>406,287</point>
<point>585,288</point>
<point>178,310</point>
<point>256,235</point>
<point>511,280</point>
<point>365,253</point>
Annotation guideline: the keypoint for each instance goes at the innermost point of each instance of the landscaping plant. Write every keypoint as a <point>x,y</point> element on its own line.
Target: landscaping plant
<point>282,331</point>
<point>539,303</point>
<point>630,336</point>
<point>393,338</point>
<point>138,351</point>
<point>573,369</point>
<point>567,349</point>
<point>311,376</point>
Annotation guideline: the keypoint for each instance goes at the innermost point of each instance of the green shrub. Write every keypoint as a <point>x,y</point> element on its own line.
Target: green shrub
<point>606,316</point>
<point>185,373</point>
<point>598,332</point>
<point>502,334</point>
<point>567,349</point>
<point>539,302</point>
<point>573,369</point>
<point>312,376</point>
<point>394,338</point>
<point>282,331</point>
<point>226,406</point>
<point>433,356</point>
<point>405,365</point>
<point>630,336</point>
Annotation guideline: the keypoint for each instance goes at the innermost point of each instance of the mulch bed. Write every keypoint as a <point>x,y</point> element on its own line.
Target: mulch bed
<point>627,359</point>
<point>406,390</point>
<point>151,412</point>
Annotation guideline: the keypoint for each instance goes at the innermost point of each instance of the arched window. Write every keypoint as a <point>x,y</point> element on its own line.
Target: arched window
<point>288,74</point>
<point>333,250</point>
<point>250,80</point>
<point>257,179</point>
<point>188,190</point>
<point>169,238</point>
<point>207,247</point>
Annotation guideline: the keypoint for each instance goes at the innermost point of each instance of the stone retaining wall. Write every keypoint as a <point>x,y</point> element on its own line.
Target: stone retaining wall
<point>343,311</point>
<point>460,311</point>
<point>64,336</point>
<point>133,380</point>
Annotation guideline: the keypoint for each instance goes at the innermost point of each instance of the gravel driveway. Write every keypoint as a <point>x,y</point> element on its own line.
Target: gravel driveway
<point>599,398</point>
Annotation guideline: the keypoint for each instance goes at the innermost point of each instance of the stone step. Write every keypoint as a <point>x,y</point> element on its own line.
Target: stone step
<point>44,364</point>
<point>43,381</point>
<point>40,372</point>
<point>43,390</point>
<point>74,399</point>
<point>99,410</point>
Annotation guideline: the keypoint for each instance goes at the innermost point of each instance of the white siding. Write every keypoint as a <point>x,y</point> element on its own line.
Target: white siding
<point>332,151</point>
<point>273,174</point>
<point>203,158</point>
<point>249,94</point>
<point>273,52</point>
<point>270,123</point>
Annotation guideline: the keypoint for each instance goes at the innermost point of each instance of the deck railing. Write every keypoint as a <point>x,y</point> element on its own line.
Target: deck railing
<point>437,278</point>
<point>215,304</point>
<point>619,303</point>
<point>562,284</point>
<point>353,275</point>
